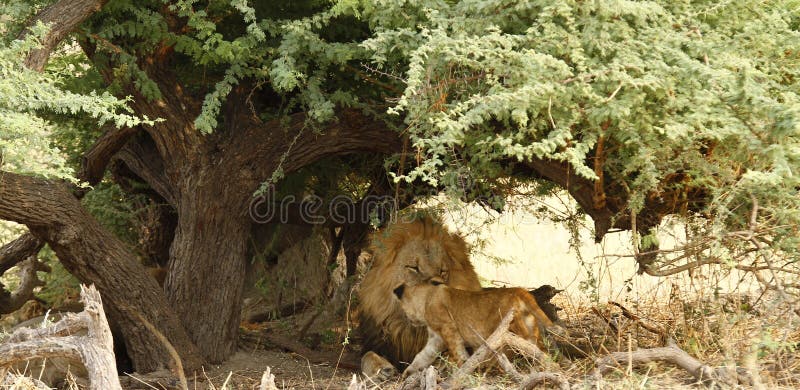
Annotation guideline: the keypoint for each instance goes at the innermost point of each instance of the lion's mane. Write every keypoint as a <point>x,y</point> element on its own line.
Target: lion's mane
<point>383,326</point>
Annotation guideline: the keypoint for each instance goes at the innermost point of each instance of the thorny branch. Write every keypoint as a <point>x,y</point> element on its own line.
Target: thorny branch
<point>751,253</point>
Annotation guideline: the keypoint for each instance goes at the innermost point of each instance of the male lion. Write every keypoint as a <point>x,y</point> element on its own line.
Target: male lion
<point>410,253</point>
<point>457,319</point>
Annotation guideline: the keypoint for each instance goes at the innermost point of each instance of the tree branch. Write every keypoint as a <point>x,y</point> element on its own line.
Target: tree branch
<point>581,189</point>
<point>94,163</point>
<point>96,159</point>
<point>18,250</point>
<point>671,354</point>
<point>493,347</point>
<point>142,162</point>
<point>674,197</point>
<point>62,17</point>
<point>27,282</point>
<point>290,144</point>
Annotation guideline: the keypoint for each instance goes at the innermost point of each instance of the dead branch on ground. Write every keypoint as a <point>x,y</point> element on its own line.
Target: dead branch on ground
<point>63,339</point>
<point>658,330</point>
<point>493,347</point>
<point>675,355</point>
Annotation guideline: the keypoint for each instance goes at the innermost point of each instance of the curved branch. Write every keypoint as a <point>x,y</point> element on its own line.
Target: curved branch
<point>93,167</point>
<point>142,162</point>
<point>672,354</point>
<point>62,17</point>
<point>27,282</point>
<point>581,189</point>
<point>96,159</point>
<point>18,250</point>
<point>291,144</point>
<point>676,197</point>
<point>352,132</point>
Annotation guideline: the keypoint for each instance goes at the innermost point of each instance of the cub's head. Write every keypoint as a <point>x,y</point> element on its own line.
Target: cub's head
<point>413,300</point>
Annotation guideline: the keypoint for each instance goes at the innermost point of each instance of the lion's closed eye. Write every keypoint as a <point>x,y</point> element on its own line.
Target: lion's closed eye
<point>413,268</point>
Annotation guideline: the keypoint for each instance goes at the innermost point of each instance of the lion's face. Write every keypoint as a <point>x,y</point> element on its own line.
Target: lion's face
<point>423,262</point>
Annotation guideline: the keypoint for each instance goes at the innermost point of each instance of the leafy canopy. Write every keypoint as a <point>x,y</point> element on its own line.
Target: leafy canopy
<point>704,89</point>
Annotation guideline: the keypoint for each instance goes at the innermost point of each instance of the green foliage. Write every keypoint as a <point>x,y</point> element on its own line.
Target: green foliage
<point>60,286</point>
<point>25,142</point>
<point>707,89</point>
<point>305,51</point>
<point>115,210</point>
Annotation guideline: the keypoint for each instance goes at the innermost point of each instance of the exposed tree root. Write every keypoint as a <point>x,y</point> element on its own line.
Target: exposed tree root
<point>63,339</point>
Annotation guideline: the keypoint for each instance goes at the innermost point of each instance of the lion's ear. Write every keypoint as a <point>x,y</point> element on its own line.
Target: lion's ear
<point>398,292</point>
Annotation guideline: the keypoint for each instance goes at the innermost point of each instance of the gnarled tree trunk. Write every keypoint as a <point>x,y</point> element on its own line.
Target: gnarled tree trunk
<point>207,266</point>
<point>92,254</point>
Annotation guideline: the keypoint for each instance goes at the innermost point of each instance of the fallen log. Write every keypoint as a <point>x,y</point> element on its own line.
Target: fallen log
<point>64,339</point>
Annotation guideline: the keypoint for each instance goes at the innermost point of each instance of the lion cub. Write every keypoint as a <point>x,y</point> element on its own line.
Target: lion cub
<point>457,319</point>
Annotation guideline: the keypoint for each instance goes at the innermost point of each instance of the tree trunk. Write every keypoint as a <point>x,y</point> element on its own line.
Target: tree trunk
<point>94,255</point>
<point>207,265</point>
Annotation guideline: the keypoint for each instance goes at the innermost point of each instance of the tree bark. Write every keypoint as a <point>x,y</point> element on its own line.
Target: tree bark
<point>62,17</point>
<point>92,254</point>
<point>206,271</point>
<point>18,250</point>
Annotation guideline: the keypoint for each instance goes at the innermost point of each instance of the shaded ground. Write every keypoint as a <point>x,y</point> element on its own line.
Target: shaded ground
<point>244,370</point>
<point>718,332</point>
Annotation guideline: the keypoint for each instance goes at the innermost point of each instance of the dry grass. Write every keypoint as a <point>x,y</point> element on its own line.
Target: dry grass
<point>727,331</point>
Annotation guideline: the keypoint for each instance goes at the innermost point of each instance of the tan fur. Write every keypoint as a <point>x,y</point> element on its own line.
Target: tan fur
<point>376,368</point>
<point>409,253</point>
<point>458,319</point>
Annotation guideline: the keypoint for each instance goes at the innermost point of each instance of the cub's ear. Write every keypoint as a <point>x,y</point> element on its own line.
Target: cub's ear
<point>398,292</point>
